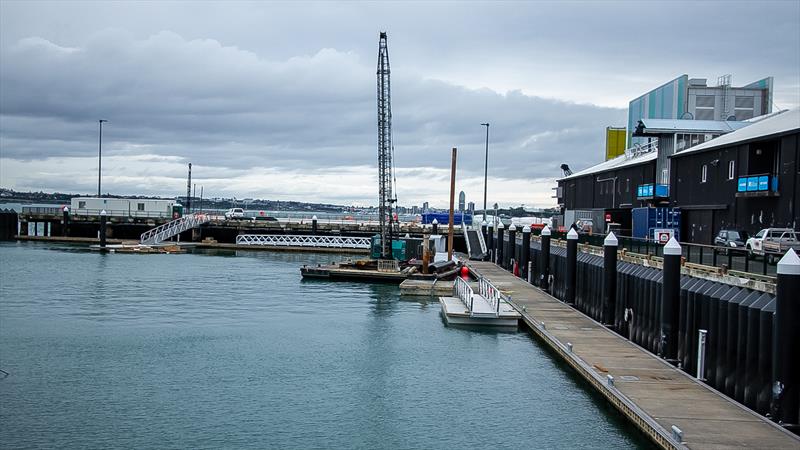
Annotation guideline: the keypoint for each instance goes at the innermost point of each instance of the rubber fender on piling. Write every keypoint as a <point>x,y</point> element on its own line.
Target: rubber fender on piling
<point>732,340</point>
<point>765,357</point>
<point>751,375</point>
<point>686,284</point>
<point>713,335</point>
<point>723,364</point>
<point>741,344</point>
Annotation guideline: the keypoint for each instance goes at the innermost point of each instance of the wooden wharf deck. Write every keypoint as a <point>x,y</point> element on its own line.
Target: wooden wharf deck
<point>653,394</point>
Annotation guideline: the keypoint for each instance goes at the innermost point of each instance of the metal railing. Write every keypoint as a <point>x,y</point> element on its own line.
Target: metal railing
<point>48,210</point>
<point>169,229</point>
<point>464,292</point>
<point>388,265</point>
<point>492,295</point>
<point>732,258</point>
<point>279,240</point>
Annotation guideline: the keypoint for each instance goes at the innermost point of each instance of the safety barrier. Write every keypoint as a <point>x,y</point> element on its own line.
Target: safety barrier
<point>279,240</point>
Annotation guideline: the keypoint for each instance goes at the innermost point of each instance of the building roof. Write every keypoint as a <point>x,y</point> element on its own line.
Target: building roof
<point>659,126</point>
<point>615,163</point>
<point>771,125</point>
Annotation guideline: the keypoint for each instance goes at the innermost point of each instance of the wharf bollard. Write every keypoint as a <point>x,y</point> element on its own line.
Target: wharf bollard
<point>435,225</point>
<point>509,255</point>
<point>670,300</point>
<point>498,245</point>
<point>572,263</point>
<point>786,344</point>
<point>485,238</point>
<point>544,282</point>
<point>490,241</point>
<point>610,245</point>
<point>64,229</point>
<point>525,252</point>
<point>314,225</point>
<point>103,229</point>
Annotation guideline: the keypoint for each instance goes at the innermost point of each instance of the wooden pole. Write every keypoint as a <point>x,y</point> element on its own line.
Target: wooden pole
<point>452,205</point>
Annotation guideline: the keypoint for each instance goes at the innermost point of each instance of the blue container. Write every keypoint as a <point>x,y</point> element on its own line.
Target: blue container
<point>444,218</point>
<point>646,220</point>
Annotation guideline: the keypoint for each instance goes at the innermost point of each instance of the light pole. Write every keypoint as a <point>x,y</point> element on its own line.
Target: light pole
<point>100,157</point>
<point>485,168</point>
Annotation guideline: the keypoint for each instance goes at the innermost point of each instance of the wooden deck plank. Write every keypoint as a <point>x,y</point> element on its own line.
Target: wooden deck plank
<point>665,394</point>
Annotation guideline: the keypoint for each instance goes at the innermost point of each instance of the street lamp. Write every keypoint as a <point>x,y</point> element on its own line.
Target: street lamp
<point>100,157</point>
<point>485,169</point>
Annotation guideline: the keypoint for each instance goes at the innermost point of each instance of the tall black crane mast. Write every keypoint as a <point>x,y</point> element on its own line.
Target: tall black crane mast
<point>385,150</point>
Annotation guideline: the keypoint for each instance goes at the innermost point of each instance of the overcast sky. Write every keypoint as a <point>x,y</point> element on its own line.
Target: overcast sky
<point>277,100</point>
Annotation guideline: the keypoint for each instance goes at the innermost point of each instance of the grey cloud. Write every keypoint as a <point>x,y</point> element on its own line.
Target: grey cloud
<point>218,105</point>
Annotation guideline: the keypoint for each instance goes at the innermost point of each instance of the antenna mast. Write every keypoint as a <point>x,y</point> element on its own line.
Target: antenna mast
<point>385,195</point>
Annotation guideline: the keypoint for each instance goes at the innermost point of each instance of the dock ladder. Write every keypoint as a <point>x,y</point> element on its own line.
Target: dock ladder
<point>169,229</point>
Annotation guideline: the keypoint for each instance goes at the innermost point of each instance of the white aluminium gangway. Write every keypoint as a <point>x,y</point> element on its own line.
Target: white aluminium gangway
<point>173,228</point>
<point>486,307</point>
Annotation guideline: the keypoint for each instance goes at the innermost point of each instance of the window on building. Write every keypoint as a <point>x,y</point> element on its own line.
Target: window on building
<point>731,170</point>
<point>704,173</point>
<point>704,107</point>
<point>81,205</point>
<point>140,206</point>
<point>743,108</point>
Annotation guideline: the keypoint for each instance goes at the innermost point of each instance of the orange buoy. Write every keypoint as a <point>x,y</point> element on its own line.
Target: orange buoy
<point>464,272</point>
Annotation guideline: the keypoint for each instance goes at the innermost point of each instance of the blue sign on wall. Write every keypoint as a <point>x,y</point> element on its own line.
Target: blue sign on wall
<point>742,184</point>
<point>757,184</point>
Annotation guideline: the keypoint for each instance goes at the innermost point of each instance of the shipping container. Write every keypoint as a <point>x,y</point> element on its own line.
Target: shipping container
<point>646,220</point>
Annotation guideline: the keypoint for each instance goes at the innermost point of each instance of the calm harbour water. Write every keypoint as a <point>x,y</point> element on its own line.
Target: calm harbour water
<point>225,350</point>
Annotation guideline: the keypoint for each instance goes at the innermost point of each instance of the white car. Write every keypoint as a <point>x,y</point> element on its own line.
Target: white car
<point>772,243</point>
<point>234,213</point>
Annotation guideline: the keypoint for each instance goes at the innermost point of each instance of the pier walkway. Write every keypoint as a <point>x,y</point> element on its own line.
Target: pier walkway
<point>651,393</point>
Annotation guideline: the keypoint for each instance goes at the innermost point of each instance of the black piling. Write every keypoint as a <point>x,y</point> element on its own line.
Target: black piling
<point>610,245</point>
<point>787,340</point>
<point>544,283</point>
<point>525,252</point>
<point>314,225</point>
<point>490,242</point>
<point>435,225</point>
<point>670,300</point>
<point>498,245</point>
<point>572,260</point>
<point>103,228</point>
<point>65,221</point>
<point>512,244</point>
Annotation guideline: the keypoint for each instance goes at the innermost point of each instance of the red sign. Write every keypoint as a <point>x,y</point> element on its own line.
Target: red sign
<point>608,217</point>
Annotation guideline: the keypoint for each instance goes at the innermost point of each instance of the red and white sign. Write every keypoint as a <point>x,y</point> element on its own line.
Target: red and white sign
<point>662,236</point>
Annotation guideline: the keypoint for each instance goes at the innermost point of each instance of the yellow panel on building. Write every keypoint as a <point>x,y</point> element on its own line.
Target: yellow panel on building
<point>615,142</point>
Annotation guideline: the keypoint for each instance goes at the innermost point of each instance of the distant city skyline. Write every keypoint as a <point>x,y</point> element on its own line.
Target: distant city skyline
<point>205,83</point>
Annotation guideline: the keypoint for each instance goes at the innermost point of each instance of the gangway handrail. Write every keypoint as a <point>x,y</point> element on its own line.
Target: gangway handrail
<point>283,240</point>
<point>464,292</point>
<point>492,295</point>
<point>175,227</point>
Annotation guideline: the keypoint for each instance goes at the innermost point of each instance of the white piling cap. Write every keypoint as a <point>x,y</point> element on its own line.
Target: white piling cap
<point>789,264</point>
<point>512,227</point>
<point>572,234</point>
<point>546,231</point>
<point>672,247</point>
<point>66,209</point>
<point>610,240</point>
<point>408,235</point>
<point>491,224</point>
<point>103,212</point>
<point>526,229</point>
<point>314,217</point>
<point>435,222</point>
<point>500,226</point>
<point>483,224</point>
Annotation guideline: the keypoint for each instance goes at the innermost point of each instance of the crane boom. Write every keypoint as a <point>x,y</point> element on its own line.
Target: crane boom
<point>385,149</point>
